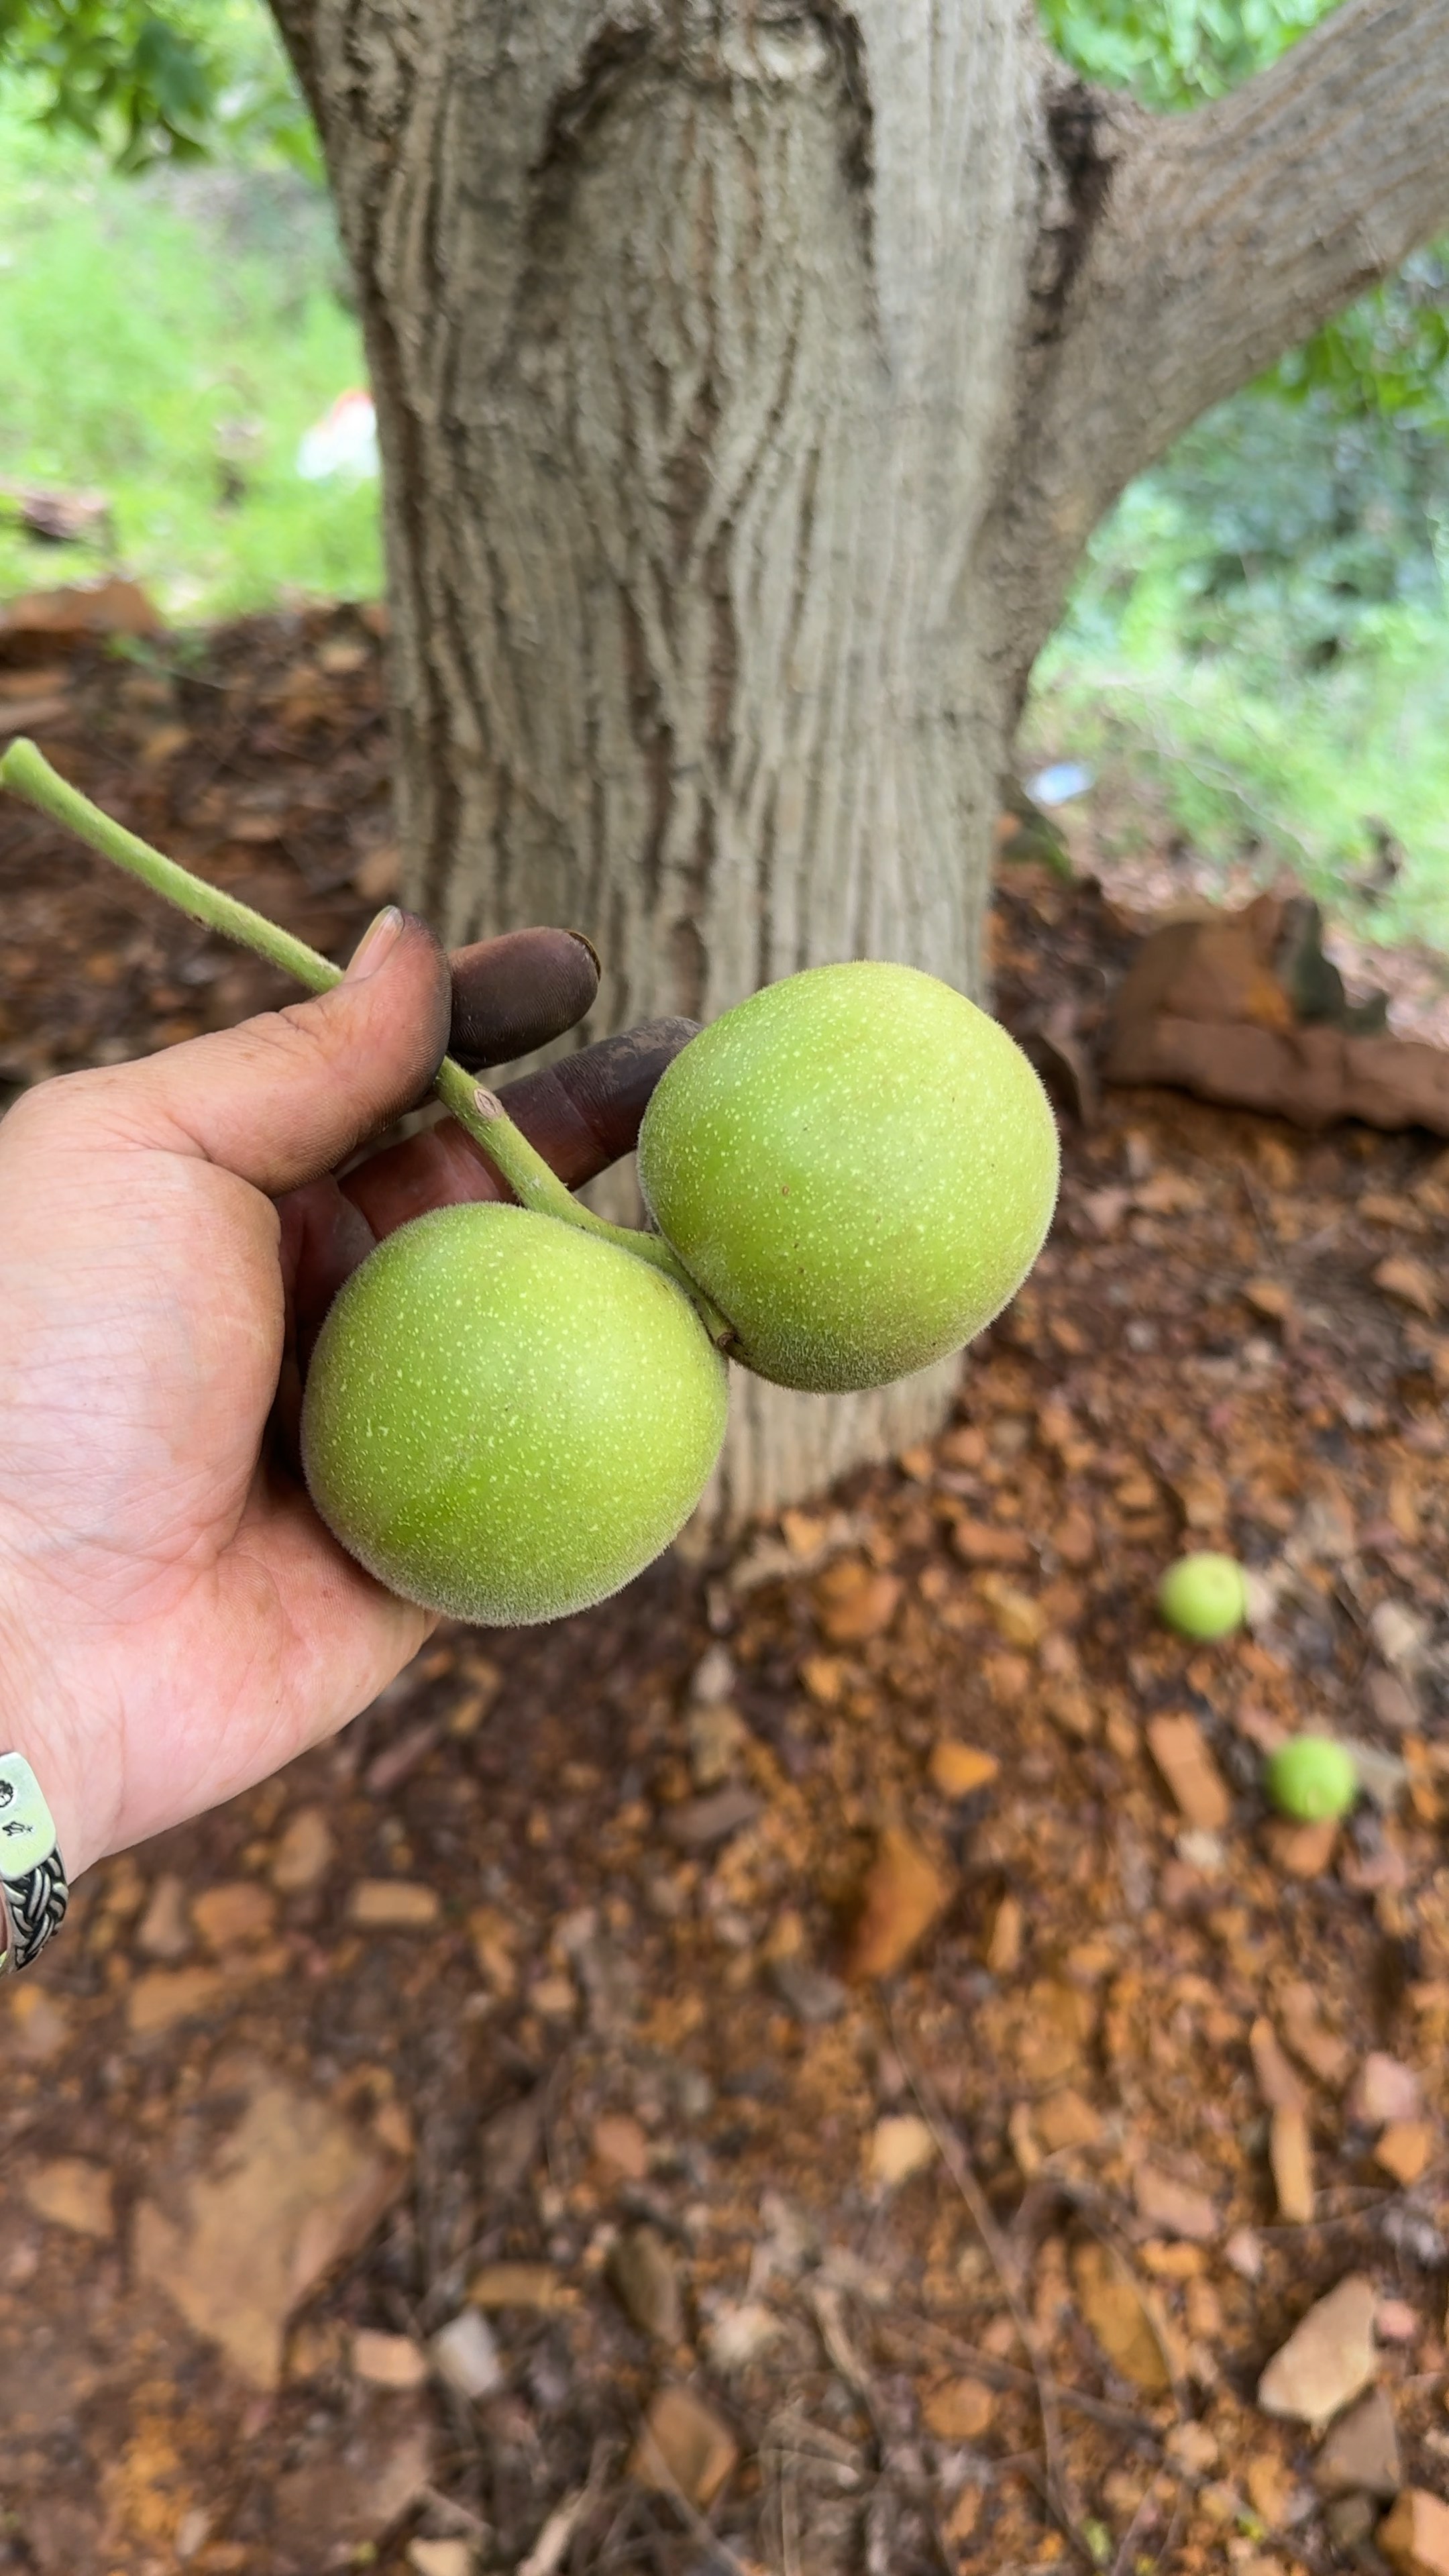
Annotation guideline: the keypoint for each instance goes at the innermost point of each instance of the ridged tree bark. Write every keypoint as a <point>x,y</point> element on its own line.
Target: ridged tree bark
<point>749,376</point>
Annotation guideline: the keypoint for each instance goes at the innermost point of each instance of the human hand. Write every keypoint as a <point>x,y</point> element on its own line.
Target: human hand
<point>175,1620</point>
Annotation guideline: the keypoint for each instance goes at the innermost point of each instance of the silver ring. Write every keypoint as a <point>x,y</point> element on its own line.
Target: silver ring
<point>32,1874</point>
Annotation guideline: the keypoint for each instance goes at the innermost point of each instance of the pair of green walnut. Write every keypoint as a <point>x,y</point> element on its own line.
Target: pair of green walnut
<point>507,1417</point>
<point>512,1409</point>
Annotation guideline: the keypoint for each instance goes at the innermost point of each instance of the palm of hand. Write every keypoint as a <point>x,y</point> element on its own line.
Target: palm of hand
<point>175,1620</point>
<point>196,1622</point>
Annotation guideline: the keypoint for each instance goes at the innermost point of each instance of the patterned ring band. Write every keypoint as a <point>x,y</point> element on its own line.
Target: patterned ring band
<point>33,1890</point>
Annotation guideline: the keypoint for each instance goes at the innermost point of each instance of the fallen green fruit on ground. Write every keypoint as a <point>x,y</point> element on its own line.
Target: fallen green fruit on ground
<point>857,1166</point>
<point>1312,1778</point>
<point>507,1418</point>
<point>1204,1595</point>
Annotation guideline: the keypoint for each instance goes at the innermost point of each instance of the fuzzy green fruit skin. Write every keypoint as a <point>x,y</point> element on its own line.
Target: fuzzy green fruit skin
<point>1312,1778</point>
<point>859,1168</point>
<point>506,1418</point>
<point>1203,1595</point>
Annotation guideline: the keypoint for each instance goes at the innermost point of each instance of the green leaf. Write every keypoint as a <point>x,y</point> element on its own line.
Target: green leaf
<point>158,80</point>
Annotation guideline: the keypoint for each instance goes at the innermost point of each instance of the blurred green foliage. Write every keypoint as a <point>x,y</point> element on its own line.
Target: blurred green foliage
<point>1175,53</point>
<point>165,341</point>
<point>1260,633</point>
<point>1250,756</point>
<point>157,80</point>
<point>1259,639</point>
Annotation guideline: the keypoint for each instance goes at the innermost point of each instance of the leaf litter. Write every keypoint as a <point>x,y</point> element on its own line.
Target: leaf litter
<point>649,2095</point>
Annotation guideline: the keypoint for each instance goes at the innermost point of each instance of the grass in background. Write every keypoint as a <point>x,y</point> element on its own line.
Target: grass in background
<point>1260,637</point>
<point>152,330</point>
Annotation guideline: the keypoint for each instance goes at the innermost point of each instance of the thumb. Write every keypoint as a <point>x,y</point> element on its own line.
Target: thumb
<point>289,1095</point>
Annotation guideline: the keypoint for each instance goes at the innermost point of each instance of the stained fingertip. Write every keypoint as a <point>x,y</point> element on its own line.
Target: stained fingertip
<point>516,992</point>
<point>441,1167</point>
<point>583,1113</point>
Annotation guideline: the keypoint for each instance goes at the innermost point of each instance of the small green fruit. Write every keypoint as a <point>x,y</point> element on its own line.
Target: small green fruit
<point>857,1166</point>
<point>1204,1595</point>
<point>1311,1778</point>
<point>507,1418</point>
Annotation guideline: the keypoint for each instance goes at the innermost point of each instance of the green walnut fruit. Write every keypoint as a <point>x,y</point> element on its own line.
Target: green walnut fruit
<point>507,1418</point>
<point>1311,1778</point>
<point>857,1166</point>
<point>1204,1595</point>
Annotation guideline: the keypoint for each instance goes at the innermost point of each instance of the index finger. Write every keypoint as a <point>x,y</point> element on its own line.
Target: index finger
<point>516,992</point>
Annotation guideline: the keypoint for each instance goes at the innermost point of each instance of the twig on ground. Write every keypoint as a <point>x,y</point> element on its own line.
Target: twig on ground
<point>547,2554</point>
<point>789,2516</point>
<point>461,2514</point>
<point>825,2307</point>
<point>1005,2374</point>
<point>1110,2234</point>
<point>953,2156</point>
<point>1128,2542</point>
<point>1371,2208</point>
<point>1268,1239</point>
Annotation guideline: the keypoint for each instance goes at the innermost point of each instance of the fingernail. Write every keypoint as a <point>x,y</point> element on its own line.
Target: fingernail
<point>377,943</point>
<point>585,942</point>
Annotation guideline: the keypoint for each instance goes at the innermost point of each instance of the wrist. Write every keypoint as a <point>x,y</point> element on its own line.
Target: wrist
<point>38,1722</point>
<point>34,1888</point>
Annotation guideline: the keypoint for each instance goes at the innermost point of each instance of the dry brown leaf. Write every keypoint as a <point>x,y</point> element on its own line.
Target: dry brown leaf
<point>684,2444</point>
<point>621,2146</point>
<point>71,2192</point>
<point>959,1770</point>
<point>1316,2047</point>
<point>521,2285</point>
<point>1277,2082</point>
<point>1197,1786</point>
<point>1004,1937</point>
<point>394,1905</point>
<point>1075,1539</point>
<point>1300,1851</point>
<point>1291,2156</point>
<point>1174,2208</point>
<point>1384,2089</point>
<point>168,1995</point>
<point>292,2189</point>
<point>1270,1298</point>
<point>1409,1281</point>
<point>979,1543</point>
<point>235,1913</point>
<point>1415,2537</point>
<point>853,1602</point>
<point>1405,2150</point>
<point>1019,1619</point>
<point>1119,2318</point>
<point>903,1895</point>
<point>1066,2119</point>
<point>1052,2026</point>
<point>958,2410</point>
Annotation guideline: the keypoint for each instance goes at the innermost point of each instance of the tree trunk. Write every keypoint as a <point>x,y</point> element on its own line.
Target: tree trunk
<point>712,343</point>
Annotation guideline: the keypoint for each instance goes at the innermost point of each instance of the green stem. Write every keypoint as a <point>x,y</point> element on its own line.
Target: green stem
<point>28,774</point>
